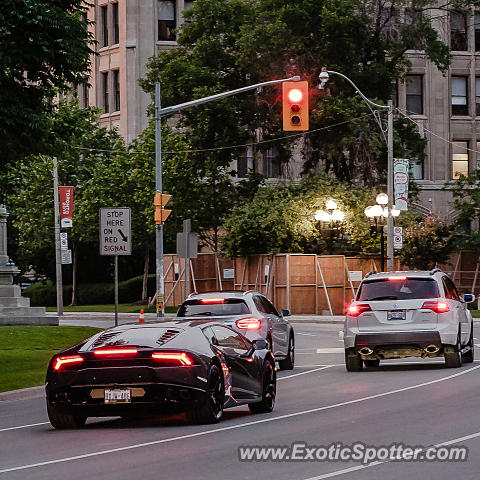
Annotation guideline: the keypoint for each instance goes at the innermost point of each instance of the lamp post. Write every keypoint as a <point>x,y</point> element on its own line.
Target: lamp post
<point>324,76</point>
<point>379,212</point>
<point>332,215</point>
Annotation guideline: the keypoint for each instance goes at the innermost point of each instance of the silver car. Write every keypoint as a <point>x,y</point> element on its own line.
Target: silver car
<point>249,313</point>
<point>408,314</point>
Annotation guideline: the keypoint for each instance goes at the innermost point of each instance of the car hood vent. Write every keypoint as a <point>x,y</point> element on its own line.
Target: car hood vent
<point>168,335</point>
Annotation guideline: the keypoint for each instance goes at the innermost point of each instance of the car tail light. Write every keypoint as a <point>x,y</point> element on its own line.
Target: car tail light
<point>116,351</point>
<point>437,307</point>
<point>181,357</point>
<point>250,323</point>
<point>212,300</point>
<point>357,309</point>
<point>394,278</point>
<point>70,360</point>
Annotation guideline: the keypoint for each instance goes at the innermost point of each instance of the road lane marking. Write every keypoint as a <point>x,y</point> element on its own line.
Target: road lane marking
<point>304,373</point>
<point>306,334</point>
<point>234,427</point>
<point>344,471</point>
<point>23,426</point>
<point>331,350</point>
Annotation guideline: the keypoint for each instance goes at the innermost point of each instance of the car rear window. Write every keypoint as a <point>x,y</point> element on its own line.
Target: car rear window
<point>405,289</point>
<point>139,337</point>
<point>227,306</point>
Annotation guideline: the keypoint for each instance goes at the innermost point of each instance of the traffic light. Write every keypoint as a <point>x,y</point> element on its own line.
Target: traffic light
<point>295,106</point>
<point>160,200</point>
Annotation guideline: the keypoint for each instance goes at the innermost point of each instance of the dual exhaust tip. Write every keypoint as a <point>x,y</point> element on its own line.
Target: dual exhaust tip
<point>428,349</point>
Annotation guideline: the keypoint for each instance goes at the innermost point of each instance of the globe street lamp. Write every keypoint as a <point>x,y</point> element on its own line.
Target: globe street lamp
<point>329,220</point>
<point>324,76</point>
<point>379,212</point>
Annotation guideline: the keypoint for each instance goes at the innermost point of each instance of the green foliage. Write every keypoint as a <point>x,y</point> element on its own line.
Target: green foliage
<point>427,243</point>
<point>44,49</point>
<point>281,219</point>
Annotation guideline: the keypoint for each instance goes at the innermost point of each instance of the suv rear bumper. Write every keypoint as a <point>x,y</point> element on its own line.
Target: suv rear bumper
<point>420,339</point>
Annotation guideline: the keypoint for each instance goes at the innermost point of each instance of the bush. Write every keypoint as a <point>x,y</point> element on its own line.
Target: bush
<point>45,294</point>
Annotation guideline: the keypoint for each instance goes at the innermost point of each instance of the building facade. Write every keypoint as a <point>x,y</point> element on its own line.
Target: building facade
<point>445,107</point>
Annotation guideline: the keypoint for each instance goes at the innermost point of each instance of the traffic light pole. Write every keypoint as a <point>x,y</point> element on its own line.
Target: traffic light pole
<point>159,113</point>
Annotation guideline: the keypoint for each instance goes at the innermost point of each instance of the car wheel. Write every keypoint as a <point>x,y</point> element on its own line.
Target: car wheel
<point>372,363</point>
<point>453,356</point>
<point>353,361</point>
<point>269,391</point>
<point>60,420</point>
<point>212,410</point>
<point>470,355</point>
<point>289,362</point>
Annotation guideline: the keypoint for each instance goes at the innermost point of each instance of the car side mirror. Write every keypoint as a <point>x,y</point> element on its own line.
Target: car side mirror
<point>286,312</point>
<point>260,344</point>
<point>468,298</point>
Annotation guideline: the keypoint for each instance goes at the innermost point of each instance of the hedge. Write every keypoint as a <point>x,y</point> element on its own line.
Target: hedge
<point>45,293</point>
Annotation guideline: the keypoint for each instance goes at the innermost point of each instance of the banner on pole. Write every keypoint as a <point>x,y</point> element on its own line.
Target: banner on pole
<point>66,206</point>
<point>400,181</point>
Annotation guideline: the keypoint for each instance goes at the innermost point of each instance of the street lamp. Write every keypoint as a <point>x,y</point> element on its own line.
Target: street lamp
<point>331,216</point>
<point>324,76</point>
<point>379,212</point>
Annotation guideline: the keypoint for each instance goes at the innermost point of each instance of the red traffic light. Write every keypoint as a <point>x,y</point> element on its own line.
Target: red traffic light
<point>295,95</point>
<point>295,106</point>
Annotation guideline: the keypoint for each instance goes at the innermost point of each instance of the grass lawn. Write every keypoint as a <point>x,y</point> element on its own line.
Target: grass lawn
<point>122,308</point>
<point>475,313</point>
<point>26,350</point>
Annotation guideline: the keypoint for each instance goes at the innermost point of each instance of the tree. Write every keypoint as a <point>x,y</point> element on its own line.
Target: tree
<point>427,243</point>
<point>44,50</point>
<point>238,43</point>
<point>80,146</point>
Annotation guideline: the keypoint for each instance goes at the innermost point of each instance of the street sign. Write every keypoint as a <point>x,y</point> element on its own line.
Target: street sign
<point>66,257</point>
<point>397,237</point>
<point>192,245</point>
<point>115,235</point>
<point>63,241</point>
<point>228,273</point>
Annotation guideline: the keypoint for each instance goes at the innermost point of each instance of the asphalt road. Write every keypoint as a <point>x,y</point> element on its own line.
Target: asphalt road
<point>417,403</point>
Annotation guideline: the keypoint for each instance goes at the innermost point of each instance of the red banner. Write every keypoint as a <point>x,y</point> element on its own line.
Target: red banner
<point>66,205</point>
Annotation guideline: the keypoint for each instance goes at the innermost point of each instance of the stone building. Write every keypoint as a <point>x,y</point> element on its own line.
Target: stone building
<point>445,107</point>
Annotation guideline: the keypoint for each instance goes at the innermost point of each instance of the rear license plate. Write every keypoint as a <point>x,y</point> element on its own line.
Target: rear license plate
<point>397,315</point>
<point>117,396</point>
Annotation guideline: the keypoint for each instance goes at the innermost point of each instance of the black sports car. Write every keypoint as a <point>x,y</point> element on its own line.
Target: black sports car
<point>197,367</point>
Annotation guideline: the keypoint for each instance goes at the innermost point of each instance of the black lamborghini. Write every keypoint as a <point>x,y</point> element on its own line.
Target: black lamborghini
<point>194,367</point>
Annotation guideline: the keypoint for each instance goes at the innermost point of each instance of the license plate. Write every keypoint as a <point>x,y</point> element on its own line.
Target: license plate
<point>117,396</point>
<point>397,315</point>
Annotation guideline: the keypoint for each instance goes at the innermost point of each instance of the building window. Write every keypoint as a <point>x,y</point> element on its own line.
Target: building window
<point>459,96</point>
<point>459,159</point>
<point>186,5</point>
<point>416,169</point>
<point>115,23</point>
<point>271,163</point>
<point>476,23</point>
<point>104,20</point>
<point>458,31</point>
<point>414,18</point>
<point>106,105</point>
<point>245,162</point>
<point>116,86</point>
<point>85,99</point>
<point>166,19</point>
<point>415,94</point>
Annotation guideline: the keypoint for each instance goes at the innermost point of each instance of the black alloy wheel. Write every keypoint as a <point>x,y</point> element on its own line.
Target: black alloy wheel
<point>212,409</point>
<point>289,362</point>
<point>353,361</point>
<point>453,355</point>
<point>61,420</point>
<point>269,391</point>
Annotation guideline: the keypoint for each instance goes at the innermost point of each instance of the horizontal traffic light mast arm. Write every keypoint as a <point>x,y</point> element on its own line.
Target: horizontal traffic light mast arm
<point>385,107</point>
<point>175,108</point>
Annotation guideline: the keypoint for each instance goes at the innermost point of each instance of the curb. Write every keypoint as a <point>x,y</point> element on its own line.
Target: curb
<point>22,394</point>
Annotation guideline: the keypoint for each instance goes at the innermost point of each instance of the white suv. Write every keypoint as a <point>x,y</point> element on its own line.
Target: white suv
<point>408,314</point>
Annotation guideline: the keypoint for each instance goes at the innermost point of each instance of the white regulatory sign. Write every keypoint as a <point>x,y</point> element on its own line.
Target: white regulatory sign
<point>115,235</point>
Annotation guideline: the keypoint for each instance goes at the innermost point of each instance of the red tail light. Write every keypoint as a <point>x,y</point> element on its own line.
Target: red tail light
<point>180,357</point>
<point>356,310</point>
<point>437,307</point>
<point>212,300</point>
<point>72,359</point>
<point>116,351</point>
<point>250,323</point>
